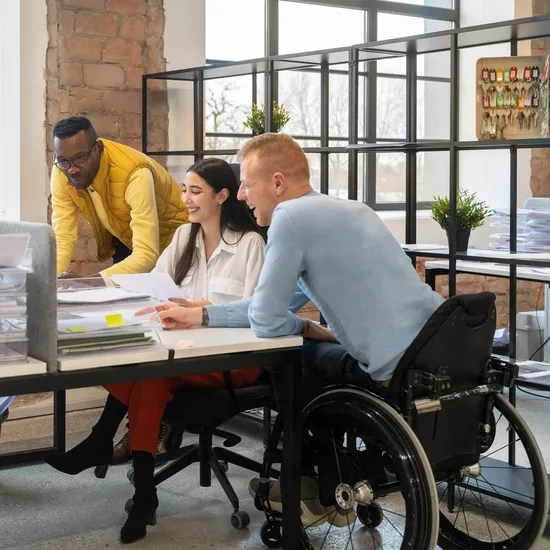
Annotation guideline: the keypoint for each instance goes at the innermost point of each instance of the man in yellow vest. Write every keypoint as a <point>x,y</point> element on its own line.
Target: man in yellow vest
<point>132,203</point>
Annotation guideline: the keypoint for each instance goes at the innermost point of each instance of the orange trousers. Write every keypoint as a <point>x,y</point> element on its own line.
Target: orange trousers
<point>146,401</point>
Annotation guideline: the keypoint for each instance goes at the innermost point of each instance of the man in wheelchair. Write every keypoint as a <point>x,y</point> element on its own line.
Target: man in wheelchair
<point>416,391</point>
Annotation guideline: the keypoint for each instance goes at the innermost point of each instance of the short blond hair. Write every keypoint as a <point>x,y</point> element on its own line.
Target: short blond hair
<point>277,153</point>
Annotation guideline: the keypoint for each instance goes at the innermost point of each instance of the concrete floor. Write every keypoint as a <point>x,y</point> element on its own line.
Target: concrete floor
<point>40,508</point>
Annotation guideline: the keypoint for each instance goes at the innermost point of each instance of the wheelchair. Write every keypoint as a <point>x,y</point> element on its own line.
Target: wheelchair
<point>426,461</point>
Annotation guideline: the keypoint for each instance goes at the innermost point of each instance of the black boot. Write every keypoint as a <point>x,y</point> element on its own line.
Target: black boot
<point>145,501</point>
<point>97,448</point>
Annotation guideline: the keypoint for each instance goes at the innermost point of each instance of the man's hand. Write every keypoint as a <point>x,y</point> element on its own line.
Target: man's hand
<point>313,331</point>
<point>181,317</point>
<point>156,309</point>
<point>69,275</point>
<point>190,303</point>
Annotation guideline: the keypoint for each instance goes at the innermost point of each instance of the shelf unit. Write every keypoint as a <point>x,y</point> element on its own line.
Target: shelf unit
<point>356,58</point>
<point>360,61</point>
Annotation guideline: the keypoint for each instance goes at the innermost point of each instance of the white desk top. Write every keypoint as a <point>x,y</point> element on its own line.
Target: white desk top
<point>480,252</point>
<point>217,341</point>
<point>32,366</point>
<point>204,341</point>
<point>541,274</point>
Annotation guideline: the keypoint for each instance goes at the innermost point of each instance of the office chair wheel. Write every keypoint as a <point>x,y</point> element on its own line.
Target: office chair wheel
<point>371,515</point>
<point>240,519</point>
<point>101,471</point>
<point>130,475</point>
<point>224,466</point>
<point>271,533</point>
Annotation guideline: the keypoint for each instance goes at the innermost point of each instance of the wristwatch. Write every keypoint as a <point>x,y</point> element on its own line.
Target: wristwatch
<point>205,317</point>
<point>306,324</point>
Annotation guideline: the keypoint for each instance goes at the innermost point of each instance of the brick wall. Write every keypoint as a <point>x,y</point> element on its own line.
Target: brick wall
<point>530,296</point>
<point>97,53</point>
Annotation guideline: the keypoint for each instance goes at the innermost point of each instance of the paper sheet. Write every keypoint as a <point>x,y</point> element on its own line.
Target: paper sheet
<point>156,285</point>
<point>98,296</point>
<point>92,324</point>
<point>13,249</point>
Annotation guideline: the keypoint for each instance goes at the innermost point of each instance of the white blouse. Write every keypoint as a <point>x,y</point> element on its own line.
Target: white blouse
<point>231,274</point>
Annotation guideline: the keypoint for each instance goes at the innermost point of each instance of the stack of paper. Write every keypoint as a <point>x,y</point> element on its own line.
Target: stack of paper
<point>80,334</point>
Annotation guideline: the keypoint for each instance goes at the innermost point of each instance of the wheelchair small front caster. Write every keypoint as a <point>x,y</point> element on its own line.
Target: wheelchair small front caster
<point>271,534</point>
<point>130,475</point>
<point>370,515</point>
<point>101,471</point>
<point>224,466</point>
<point>240,519</point>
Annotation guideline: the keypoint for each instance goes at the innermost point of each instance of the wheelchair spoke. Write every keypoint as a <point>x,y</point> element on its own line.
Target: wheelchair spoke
<point>327,533</point>
<point>478,498</point>
<point>484,511</point>
<point>504,499</point>
<point>396,529</point>
<point>336,455</point>
<point>464,513</point>
<point>497,450</point>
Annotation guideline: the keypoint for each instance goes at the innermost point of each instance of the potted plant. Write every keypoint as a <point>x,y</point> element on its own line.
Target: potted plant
<point>469,215</point>
<point>256,120</point>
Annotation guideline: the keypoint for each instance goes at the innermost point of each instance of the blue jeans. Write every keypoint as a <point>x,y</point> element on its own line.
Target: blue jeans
<point>333,364</point>
<point>325,364</point>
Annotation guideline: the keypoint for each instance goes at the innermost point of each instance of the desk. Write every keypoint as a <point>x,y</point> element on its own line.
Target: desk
<point>541,275</point>
<point>214,350</point>
<point>435,268</point>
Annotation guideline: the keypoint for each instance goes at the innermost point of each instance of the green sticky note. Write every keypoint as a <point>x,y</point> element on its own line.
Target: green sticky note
<point>76,329</point>
<point>114,320</point>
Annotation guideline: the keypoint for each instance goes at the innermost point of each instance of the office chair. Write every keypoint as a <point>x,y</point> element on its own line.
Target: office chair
<point>202,411</point>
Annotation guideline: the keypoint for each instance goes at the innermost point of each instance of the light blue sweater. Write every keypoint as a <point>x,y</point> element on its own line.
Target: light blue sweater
<point>340,255</point>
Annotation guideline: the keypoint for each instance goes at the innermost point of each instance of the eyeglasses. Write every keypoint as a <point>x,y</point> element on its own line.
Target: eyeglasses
<point>79,162</point>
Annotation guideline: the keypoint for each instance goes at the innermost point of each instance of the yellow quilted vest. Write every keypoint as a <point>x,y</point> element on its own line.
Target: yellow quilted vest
<point>117,165</point>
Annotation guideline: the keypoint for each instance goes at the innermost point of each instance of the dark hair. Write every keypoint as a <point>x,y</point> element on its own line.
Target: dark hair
<point>235,215</point>
<point>69,127</point>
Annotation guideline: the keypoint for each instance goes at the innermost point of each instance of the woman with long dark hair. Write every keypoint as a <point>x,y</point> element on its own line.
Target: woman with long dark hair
<point>214,259</point>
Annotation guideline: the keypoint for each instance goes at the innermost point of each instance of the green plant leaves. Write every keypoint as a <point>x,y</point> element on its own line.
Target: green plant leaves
<point>256,120</point>
<point>469,212</point>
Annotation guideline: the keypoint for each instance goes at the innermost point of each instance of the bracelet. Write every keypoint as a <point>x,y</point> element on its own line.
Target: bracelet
<point>205,317</point>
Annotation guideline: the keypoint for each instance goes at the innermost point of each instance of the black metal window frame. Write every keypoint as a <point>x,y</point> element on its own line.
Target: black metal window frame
<point>370,9</point>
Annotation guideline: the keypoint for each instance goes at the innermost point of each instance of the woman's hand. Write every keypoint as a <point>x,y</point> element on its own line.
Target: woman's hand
<point>69,275</point>
<point>190,303</point>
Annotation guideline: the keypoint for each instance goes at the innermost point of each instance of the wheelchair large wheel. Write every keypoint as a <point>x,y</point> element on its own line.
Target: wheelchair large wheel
<point>362,454</point>
<point>494,505</point>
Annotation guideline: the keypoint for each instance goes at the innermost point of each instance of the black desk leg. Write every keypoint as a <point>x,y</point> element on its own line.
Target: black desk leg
<point>292,445</point>
<point>429,278</point>
<point>59,420</point>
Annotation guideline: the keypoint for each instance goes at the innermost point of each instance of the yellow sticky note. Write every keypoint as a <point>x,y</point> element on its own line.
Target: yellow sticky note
<point>114,320</point>
<point>76,329</point>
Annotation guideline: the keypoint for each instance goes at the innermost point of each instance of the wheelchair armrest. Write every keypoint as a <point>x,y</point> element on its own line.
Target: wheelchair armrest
<point>230,439</point>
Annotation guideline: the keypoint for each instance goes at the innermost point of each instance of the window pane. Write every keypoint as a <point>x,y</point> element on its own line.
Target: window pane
<point>397,26</point>
<point>315,170</point>
<point>228,102</point>
<point>307,27</point>
<point>390,177</point>
<point>301,94</point>
<point>338,175</point>
<point>391,108</point>
<point>431,3</point>
<point>432,173</point>
<point>232,38</point>
<point>433,110</point>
